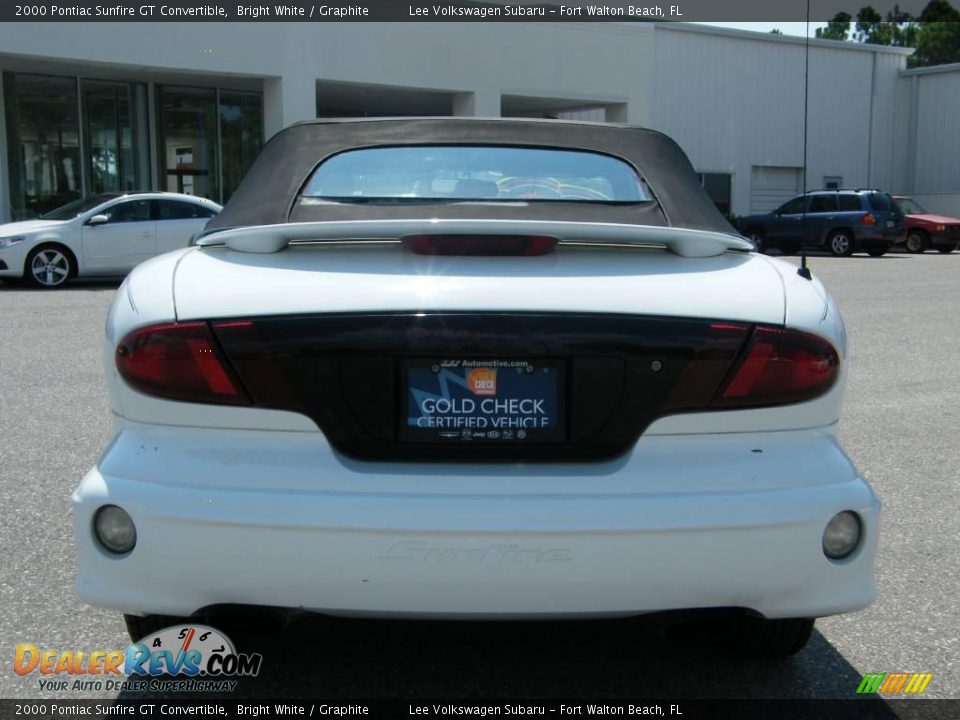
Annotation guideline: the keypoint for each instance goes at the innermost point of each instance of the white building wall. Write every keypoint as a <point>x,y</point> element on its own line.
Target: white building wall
<point>903,151</point>
<point>888,150</point>
<point>943,203</point>
<point>588,65</point>
<point>735,101</point>
<point>592,63</point>
<point>937,143</point>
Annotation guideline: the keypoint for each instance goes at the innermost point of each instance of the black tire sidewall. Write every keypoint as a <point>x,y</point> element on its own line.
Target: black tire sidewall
<point>924,244</point>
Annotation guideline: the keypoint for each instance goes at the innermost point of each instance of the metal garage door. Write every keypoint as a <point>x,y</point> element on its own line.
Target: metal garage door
<point>771,186</point>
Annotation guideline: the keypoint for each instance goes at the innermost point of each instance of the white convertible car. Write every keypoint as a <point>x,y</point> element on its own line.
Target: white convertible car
<point>101,235</point>
<point>459,368</point>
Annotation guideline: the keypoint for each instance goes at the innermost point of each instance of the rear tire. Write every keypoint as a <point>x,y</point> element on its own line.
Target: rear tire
<point>947,249</point>
<point>761,638</point>
<point>140,626</point>
<point>917,241</point>
<point>840,243</point>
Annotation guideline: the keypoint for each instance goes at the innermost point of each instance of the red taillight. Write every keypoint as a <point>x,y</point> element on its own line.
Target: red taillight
<point>868,219</point>
<point>779,367</point>
<point>178,361</point>
<point>479,244</point>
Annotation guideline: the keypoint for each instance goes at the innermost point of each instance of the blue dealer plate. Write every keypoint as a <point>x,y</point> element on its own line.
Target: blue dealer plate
<point>455,400</point>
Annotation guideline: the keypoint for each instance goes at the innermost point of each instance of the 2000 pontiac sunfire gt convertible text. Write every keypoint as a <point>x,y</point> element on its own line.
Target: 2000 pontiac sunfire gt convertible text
<point>462,368</point>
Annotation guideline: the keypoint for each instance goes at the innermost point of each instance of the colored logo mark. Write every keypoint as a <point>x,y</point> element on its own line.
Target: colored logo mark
<point>482,381</point>
<point>894,683</point>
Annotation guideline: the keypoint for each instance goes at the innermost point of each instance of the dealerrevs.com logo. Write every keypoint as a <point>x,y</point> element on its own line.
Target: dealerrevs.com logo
<point>187,658</point>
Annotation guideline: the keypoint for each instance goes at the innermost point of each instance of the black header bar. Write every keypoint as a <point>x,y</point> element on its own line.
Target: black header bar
<point>437,11</point>
<point>525,709</point>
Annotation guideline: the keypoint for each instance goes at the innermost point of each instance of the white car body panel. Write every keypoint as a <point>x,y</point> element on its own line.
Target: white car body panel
<point>170,233</point>
<point>29,226</point>
<point>710,509</point>
<point>733,286</point>
<point>701,521</point>
<point>303,278</point>
<point>117,247</point>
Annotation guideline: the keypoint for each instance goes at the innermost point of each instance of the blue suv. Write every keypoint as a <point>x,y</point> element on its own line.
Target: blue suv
<point>841,221</point>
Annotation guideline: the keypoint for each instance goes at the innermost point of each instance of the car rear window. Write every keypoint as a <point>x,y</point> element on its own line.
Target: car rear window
<point>850,203</point>
<point>881,202</point>
<point>429,173</point>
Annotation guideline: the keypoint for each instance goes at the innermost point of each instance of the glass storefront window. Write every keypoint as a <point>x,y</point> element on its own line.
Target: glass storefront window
<point>113,115</point>
<point>43,143</point>
<point>68,137</point>
<point>241,136</point>
<point>188,140</point>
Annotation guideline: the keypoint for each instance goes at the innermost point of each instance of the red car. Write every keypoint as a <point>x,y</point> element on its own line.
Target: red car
<point>925,230</point>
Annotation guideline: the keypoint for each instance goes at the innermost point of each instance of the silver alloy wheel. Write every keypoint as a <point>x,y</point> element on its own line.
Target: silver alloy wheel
<point>840,244</point>
<point>50,268</point>
<point>915,243</point>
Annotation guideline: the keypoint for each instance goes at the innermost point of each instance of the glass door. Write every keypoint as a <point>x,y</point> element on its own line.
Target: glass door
<point>188,141</point>
<point>241,136</point>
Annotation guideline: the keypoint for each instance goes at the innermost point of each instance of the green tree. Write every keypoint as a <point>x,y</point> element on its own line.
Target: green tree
<point>836,29</point>
<point>935,33</point>
<point>870,28</point>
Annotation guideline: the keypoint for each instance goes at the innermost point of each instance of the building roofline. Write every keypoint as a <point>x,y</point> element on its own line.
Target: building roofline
<point>789,39</point>
<point>932,70</point>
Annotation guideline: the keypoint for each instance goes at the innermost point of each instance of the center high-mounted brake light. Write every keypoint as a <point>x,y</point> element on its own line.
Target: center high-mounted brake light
<point>778,367</point>
<point>178,361</point>
<point>526,245</point>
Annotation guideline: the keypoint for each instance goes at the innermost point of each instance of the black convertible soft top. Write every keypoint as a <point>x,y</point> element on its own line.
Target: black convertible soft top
<point>270,193</point>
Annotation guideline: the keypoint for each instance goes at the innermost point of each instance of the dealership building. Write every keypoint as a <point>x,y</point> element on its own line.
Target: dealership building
<point>100,107</point>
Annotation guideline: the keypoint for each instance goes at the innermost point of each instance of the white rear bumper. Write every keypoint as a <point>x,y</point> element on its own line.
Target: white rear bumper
<point>279,519</point>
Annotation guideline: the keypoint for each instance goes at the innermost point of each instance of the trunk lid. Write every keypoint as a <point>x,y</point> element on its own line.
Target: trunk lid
<point>216,282</point>
<point>398,356</point>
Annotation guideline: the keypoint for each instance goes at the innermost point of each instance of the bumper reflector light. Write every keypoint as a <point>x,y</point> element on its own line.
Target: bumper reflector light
<point>114,529</point>
<point>842,535</point>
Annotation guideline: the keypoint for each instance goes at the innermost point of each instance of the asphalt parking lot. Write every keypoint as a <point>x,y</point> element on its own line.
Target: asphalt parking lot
<point>900,426</point>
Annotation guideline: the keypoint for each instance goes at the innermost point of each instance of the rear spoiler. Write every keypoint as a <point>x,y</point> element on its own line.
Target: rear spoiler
<point>273,238</point>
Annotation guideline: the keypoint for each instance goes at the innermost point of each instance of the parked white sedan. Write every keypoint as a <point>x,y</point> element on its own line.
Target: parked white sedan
<point>460,368</point>
<point>102,235</point>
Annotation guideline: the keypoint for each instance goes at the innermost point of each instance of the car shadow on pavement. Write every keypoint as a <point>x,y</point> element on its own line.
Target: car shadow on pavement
<point>74,285</point>
<point>332,658</point>
<point>846,257</point>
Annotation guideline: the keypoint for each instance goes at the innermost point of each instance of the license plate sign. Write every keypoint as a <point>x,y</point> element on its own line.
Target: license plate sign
<point>456,400</point>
